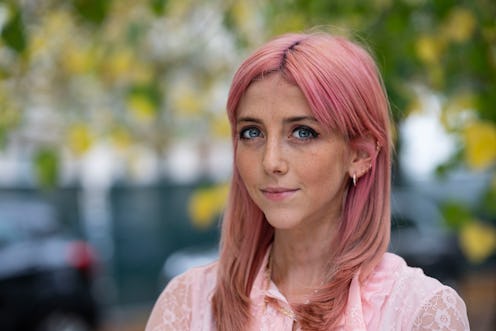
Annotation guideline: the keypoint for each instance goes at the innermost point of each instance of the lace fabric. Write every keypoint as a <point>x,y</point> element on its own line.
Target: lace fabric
<point>173,309</point>
<point>444,311</point>
<point>396,298</point>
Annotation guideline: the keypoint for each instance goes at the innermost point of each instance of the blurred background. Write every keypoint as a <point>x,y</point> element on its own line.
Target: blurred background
<point>115,151</point>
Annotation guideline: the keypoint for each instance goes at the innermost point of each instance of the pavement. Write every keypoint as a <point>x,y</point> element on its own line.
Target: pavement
<point>129,318</point>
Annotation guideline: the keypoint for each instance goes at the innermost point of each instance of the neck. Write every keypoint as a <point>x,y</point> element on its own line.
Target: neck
<point>300,260</point>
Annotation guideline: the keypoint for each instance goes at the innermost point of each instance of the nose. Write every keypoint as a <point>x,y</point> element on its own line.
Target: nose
<point>274,161</point>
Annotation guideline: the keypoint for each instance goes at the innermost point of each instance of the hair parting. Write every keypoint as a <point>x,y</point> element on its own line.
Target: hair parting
<point>285,54</point>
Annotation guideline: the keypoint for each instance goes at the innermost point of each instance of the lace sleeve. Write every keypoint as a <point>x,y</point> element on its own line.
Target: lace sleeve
<point>444,311</point>
<point>172,311</point>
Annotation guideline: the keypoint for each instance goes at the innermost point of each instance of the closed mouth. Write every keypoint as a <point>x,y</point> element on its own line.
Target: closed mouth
<point>278,193</point>
<point>277,190</point>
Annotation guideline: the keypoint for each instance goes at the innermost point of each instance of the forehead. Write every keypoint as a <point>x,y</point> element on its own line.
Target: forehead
<point>273,95</point>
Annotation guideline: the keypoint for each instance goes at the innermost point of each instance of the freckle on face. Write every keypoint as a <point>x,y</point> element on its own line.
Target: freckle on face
<point>317,169</point>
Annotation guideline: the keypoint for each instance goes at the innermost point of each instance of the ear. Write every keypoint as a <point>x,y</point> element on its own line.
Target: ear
<point>363,154</point>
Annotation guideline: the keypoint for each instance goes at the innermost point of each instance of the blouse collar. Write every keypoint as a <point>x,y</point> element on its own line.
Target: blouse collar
<point>362,296</point>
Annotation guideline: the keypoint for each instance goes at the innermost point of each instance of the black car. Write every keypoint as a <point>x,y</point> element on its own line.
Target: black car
<point>45,276</point>
<point>420,235</point>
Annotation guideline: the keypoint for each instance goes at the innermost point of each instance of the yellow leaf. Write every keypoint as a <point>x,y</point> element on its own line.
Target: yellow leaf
<point>460,24</point>
<point>179,8</point>
<point>202,208</point>
<point>241,12</point>
<point>76,60</point>
<point>480,144</point>
<point>141,107</point>
<point>10,114</point>
<point>142,73</point>
<point>37,43</point>
<point>120,138</point>
<point>478,241</point>
<point>429,49</point>
<point>79,139</point>
<point>54,28</point>
<point>205,204</point>
<point>119,64</point>
<point>456,110</point>
<point>289,22</point>
<point>220,127</point>
<point>221,193</point>
<point>245,16</point>
<point>187,102</point>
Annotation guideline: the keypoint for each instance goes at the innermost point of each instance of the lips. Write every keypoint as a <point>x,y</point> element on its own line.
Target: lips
<point>278,193</point>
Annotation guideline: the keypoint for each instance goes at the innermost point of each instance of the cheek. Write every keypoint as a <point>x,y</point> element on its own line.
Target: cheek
<point>246,165</point>
<point>324,168</point>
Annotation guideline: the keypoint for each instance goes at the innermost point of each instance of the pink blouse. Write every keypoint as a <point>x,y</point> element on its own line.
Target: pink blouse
<point>393,297</point>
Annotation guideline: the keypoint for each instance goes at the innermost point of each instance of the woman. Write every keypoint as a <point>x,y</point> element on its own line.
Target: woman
<point>307,223</point>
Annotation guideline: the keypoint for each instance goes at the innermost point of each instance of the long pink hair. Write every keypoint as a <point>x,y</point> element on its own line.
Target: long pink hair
<point>344,89</point>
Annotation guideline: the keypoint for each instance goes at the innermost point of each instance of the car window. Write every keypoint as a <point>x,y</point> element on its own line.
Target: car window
<point>20,220</point>
<point>8,231</point>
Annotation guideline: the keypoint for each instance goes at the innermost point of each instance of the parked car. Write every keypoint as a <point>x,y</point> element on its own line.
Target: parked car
<point>417,234</point>
<point>420,236</point>
<point>45,276</point>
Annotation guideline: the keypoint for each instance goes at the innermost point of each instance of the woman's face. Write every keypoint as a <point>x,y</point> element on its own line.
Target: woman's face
<point>294,170</point>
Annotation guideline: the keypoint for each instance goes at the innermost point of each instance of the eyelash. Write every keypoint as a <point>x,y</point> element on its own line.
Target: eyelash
<point>312,133</point>
<point>246,130</point>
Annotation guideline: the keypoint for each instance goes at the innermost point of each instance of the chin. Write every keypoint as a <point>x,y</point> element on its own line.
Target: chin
<point>282,222</point>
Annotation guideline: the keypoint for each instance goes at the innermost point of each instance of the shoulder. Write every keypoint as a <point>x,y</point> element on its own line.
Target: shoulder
<point>444,309</point>
<point>193,278</point>
<point>409,281</point>
<point>395,285</point>
<point>181,298</point>
<point>413,298</point>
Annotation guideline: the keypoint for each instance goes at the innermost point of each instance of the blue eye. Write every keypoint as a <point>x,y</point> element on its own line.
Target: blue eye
<point>250,133</point>
<point>304,133</point>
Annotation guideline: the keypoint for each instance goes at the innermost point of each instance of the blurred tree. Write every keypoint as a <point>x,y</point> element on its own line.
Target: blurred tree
<point>129,73</point>
<point>146,73</point>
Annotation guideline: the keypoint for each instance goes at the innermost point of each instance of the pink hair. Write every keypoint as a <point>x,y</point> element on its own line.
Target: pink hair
<point>345,92</point>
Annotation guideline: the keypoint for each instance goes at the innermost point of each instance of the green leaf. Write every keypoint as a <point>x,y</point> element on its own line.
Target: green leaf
<point>451,164</point>
<point>149,91</point>
<point>158,6</point>
<point>46,163</point>
<point>456,215</point>
<point>13,33</point>
<point>93,11</point>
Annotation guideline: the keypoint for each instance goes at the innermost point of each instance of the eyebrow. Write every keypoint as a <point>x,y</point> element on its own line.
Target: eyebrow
<point>286,120</point>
